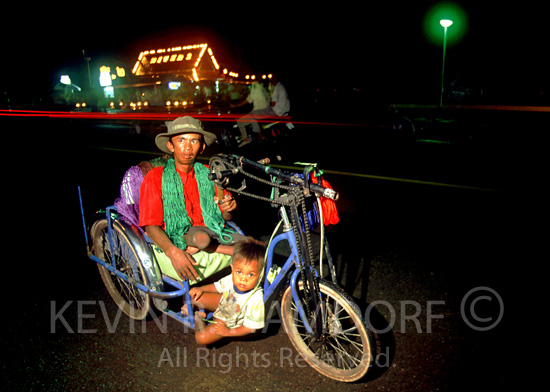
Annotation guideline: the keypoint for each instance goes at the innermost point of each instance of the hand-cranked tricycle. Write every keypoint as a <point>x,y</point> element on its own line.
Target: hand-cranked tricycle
<point>323,323</point>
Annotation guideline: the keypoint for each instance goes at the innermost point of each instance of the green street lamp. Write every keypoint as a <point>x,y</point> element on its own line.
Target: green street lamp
<point>445,23</point>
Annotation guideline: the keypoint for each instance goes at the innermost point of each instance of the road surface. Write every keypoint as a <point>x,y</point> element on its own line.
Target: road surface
<point>435,268</point>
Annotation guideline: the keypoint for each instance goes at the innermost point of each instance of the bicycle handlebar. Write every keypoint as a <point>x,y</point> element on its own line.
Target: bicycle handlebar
<point>222,174</point>
<point>293,178</point>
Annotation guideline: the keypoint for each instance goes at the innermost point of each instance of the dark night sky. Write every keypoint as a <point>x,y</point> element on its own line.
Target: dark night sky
<point>375,47</point>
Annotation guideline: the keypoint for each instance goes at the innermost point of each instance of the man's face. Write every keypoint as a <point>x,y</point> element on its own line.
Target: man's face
<point>186,147</point>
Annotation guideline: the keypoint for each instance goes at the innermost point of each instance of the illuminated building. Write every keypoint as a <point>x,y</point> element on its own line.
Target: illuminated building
<point>194,62</point>
<point>184,76</point>
<point>175,78</point>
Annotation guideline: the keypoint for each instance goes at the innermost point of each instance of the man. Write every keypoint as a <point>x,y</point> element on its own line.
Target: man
<point>260,100</point>
<point>177,198</point>
<point>279,98</point>
<point>280,106</point>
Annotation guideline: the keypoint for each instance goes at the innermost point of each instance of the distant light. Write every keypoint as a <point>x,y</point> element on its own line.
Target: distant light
<point>105,78</point>
<point>174,85</point>
<point>136,65</point>
<point>108,92</point>
<point>65,79</point>
<point>445,10</point>
<point>445,22</point>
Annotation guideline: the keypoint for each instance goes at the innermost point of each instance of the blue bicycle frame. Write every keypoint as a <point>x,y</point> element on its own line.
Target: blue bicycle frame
<point>293,261</point>
<point>156,291</point>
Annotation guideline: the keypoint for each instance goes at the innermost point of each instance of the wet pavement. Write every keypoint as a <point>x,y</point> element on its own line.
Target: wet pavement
<point>435,269</point>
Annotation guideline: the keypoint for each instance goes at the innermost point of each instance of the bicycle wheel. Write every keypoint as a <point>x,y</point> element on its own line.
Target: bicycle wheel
<point>344,351</point>
<point>134,302</point>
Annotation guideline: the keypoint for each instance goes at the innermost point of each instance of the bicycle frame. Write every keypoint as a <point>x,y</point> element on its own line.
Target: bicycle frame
<point>272,289</point>
<point>288,274</point>
<point>224,166</point>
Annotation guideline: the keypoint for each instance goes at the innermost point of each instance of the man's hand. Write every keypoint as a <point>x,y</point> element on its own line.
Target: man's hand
<point>196,293</point>
<point>183,263</point>
<point>181,260</point>
<point>228,205</point>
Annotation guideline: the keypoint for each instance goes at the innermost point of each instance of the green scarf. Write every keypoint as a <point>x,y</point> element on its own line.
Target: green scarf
<point>176,220</point>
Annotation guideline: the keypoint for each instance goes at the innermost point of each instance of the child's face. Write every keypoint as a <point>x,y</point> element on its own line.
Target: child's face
<point>245,275</point>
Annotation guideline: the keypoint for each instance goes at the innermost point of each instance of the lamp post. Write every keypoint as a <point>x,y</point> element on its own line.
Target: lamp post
<point>445,23</point>
<point>88,62</point>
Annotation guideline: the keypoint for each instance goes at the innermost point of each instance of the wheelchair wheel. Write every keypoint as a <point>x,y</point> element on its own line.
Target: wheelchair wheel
<point>344,351</point>
<point>134,302</point>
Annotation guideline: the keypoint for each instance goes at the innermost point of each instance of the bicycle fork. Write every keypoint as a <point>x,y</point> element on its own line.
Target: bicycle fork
<point>300,266</point>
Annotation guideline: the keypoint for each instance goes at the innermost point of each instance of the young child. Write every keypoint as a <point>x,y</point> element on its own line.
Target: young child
<point>237,299</point>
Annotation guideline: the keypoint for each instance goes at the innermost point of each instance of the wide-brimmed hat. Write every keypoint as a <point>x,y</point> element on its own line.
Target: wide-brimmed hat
<point>181,125</point>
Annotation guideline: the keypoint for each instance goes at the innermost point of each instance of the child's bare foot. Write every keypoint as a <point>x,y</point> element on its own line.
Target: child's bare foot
<point>199,323</point>
<point>202,315</point>
<point>185,309</point>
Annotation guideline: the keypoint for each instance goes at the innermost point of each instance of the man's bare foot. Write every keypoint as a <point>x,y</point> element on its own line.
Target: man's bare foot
<point>198,239</point>
<point>192,250</point>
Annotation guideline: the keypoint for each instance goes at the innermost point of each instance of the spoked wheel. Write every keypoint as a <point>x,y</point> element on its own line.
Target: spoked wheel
<point>134,302</point>
<point>344,351</point>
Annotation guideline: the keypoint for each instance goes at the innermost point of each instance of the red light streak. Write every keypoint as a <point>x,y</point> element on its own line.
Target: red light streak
<point>113,116</point>
<point>134,116</point>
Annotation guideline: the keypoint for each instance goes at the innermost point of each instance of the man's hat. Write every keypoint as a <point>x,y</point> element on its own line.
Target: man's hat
<point>181,125</point>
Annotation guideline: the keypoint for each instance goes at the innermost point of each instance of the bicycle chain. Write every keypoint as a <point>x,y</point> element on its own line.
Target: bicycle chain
<point>261,180</point>
<point>315,281</point>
